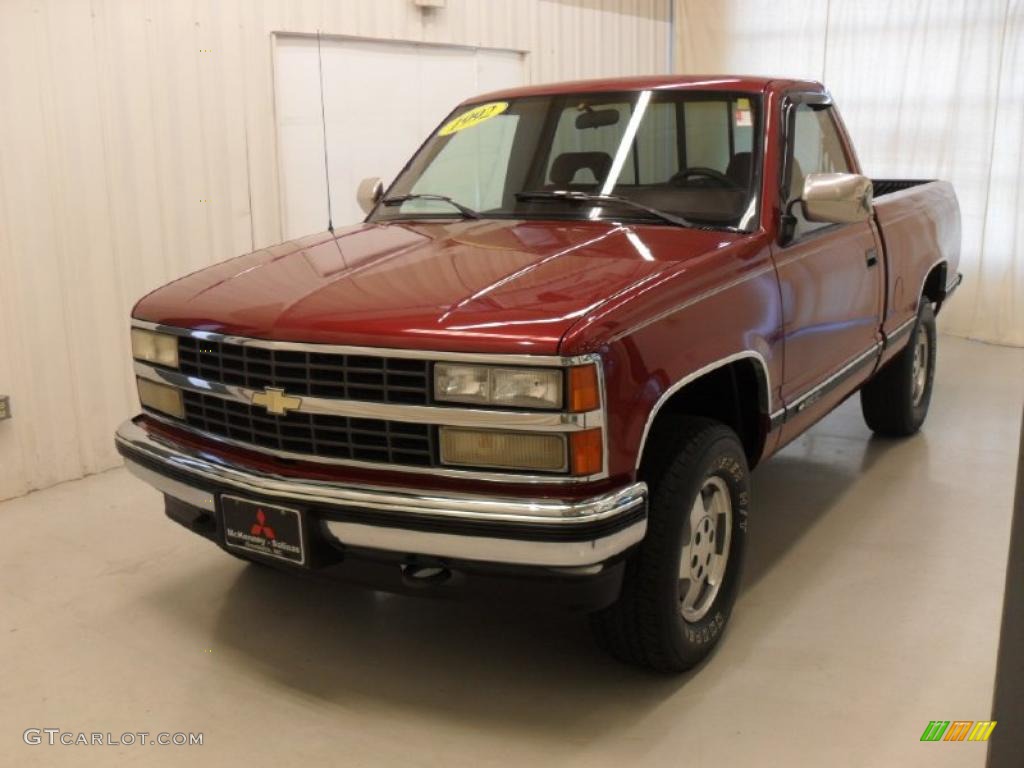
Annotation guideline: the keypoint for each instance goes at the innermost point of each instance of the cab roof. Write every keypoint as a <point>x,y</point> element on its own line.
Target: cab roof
<point>744,83</point>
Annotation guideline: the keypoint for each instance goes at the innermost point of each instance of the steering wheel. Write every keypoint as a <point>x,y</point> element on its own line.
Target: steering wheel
<point>699,170</point>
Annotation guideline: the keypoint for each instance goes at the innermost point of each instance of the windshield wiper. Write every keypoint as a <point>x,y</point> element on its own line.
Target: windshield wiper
<point>585,197</point>
<point>467,212</point>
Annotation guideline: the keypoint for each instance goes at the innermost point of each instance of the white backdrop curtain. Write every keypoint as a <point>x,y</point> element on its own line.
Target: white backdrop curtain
<point>928,89</point>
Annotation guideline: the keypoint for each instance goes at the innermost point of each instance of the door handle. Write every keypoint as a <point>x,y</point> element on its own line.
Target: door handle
<point>871,257</point>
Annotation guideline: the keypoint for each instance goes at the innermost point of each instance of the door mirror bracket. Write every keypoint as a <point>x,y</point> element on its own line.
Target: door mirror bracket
<point>788,222</point>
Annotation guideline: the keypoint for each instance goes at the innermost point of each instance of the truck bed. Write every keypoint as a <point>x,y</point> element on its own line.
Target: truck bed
<point>888,186</point>
<point>919,223</point>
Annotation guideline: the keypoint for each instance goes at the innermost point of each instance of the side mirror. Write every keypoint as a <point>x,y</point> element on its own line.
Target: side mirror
<point>836,198</point>
<point>369,193</point>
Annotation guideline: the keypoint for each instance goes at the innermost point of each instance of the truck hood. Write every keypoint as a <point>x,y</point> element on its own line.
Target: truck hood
<point>480,286</point>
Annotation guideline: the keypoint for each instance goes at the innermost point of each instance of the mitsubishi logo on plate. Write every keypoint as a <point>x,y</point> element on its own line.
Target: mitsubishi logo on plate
<point>260,527</point>
<point>276,401</point>
<point>263,529</point>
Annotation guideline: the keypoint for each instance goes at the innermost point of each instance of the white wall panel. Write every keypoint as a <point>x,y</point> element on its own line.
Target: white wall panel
<point>300,135</point>
<point>380,99</point>
<point>137,143</point>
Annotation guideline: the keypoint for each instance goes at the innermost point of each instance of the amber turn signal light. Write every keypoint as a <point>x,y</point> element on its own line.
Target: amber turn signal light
<point>583,390</point>
<point>586,449</point>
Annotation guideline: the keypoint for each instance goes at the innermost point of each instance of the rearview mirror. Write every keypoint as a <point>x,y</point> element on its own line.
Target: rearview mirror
<point>369,193</point>
<point>836,198</point>
<point>597,118</point>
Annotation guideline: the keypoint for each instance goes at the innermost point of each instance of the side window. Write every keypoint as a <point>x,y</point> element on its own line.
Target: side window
<point>817,147</point>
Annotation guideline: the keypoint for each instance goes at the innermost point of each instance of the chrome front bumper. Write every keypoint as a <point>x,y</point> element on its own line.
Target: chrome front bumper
<point>517,531</point>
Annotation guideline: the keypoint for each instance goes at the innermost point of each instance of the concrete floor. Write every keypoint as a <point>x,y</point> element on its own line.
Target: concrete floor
<point>871,606</point>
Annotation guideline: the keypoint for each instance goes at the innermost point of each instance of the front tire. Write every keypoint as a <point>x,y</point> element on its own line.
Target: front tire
<point>895,401</point>
<point>681,582</point>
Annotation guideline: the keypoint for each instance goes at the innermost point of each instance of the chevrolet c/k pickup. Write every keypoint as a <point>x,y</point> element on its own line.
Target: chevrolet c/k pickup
<point>548,358</point>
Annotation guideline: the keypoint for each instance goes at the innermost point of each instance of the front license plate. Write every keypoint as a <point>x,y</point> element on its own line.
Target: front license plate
<point>263,529</point>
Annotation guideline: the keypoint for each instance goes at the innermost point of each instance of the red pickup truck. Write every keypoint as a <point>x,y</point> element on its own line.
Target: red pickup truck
<point>550,355</point>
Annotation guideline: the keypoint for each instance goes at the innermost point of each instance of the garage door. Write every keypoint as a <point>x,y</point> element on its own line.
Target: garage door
<point>380,99</point>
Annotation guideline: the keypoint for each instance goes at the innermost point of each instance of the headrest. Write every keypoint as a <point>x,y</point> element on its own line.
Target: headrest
<point>568,164</point>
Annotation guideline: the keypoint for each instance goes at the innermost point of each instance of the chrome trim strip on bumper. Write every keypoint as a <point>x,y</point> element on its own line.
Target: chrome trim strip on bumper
<point>568,554</point>
<point>194,496</point>
<point>536,421</point>
<point>138,446</point>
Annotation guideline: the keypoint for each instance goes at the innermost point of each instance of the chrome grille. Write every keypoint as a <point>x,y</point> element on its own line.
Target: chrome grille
<point>349,377</point>
<point>339,437</point>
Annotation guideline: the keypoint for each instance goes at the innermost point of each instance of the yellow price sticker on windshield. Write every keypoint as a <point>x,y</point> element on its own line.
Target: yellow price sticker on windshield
<point>472,117</point>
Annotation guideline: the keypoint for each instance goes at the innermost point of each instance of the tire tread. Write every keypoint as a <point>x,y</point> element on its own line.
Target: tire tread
<point>634,628</point>
<point>886,400</point>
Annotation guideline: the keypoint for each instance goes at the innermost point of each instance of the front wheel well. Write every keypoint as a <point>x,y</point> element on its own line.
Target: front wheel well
<point>734,394</point>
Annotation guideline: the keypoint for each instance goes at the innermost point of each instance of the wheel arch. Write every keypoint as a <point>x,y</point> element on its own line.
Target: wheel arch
<point>735,390</point>
<point>934,286</point>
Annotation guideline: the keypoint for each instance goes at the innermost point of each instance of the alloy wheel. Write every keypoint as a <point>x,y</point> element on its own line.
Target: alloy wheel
<point>705,552</point>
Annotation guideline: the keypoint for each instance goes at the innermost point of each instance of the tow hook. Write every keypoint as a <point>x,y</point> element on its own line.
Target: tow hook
<point>425,573</point>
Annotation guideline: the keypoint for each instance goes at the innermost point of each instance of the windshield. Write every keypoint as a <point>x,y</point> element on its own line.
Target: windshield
<point>691,155</point>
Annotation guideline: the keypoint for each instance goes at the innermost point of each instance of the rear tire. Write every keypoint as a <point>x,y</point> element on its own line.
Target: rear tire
<point>681,582</point>
<point>895,401</point>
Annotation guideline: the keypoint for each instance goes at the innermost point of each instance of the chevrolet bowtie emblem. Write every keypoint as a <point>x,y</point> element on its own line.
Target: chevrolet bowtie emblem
<point>276,401</point>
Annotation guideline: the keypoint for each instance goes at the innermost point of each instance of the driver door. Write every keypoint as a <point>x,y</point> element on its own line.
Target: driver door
<point>830,275</point>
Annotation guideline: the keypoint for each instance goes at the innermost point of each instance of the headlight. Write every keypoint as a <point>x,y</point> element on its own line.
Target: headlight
<point>487,385</point>
<point>504,450</point>
<point>161,397</point>
<point>153,347</point>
